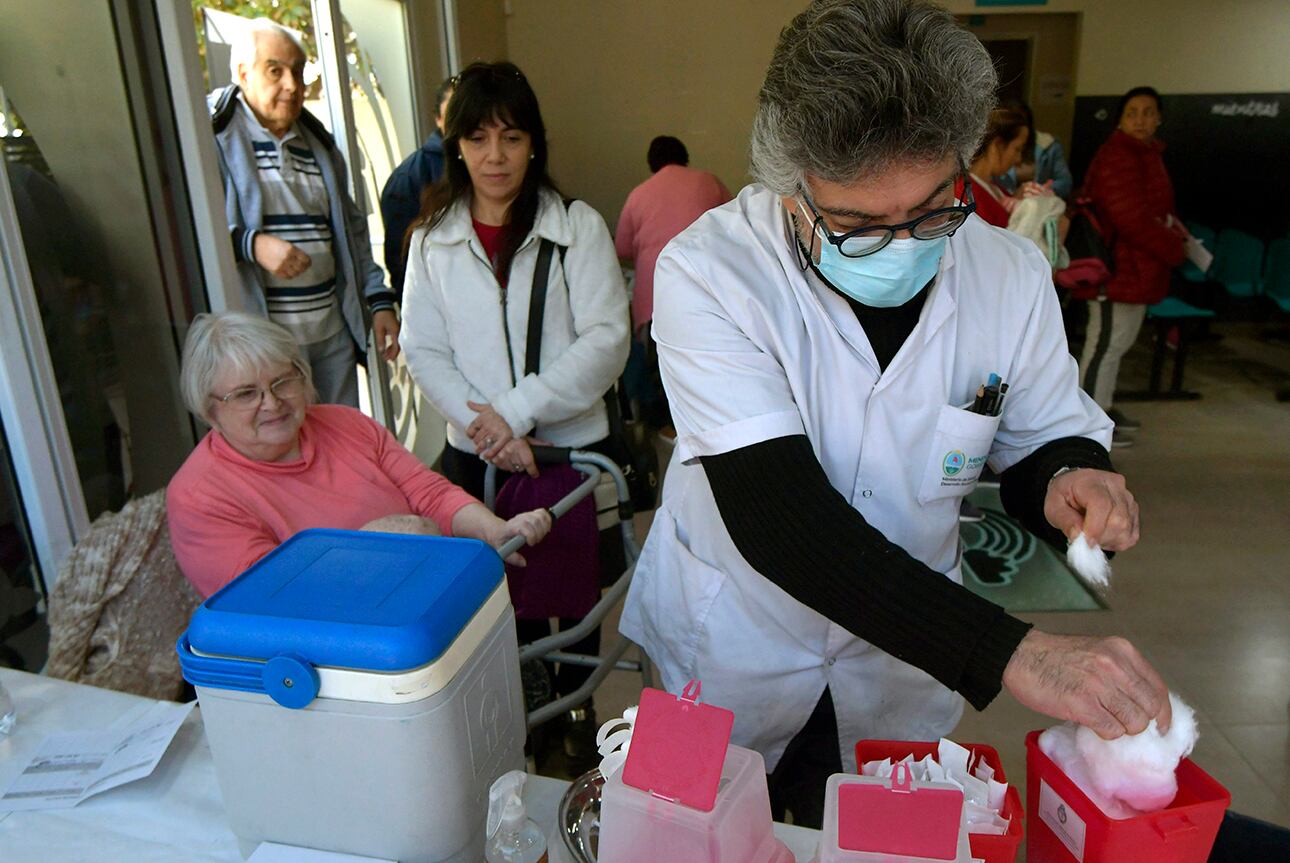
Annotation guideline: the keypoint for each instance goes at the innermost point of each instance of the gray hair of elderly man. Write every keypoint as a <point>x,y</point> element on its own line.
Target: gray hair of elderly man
<point>857,86</point>
<point>246,41</point>
<point>233,340</point>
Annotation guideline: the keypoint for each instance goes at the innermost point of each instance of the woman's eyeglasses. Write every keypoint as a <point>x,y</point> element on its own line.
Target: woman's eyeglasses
<point>249,398</point>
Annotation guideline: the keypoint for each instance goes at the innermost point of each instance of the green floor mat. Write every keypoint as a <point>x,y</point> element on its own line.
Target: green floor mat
<point>1007,565</point>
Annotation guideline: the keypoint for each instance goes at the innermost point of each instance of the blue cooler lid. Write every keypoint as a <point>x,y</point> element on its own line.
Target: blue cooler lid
<point>350,599</point>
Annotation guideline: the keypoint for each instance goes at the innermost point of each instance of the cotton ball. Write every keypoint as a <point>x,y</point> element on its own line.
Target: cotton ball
<point>1139,769</point>
<point>1089,561</point>
<point>1058,743</point>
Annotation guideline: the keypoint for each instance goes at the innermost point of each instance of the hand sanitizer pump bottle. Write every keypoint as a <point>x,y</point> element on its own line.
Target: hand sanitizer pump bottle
<point>512,836</point>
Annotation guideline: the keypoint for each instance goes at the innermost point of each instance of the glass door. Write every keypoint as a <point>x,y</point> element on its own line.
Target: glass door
<point>99,280</point>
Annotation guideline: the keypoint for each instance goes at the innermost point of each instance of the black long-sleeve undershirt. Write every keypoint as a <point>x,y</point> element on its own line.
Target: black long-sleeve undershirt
<point>794,528</point>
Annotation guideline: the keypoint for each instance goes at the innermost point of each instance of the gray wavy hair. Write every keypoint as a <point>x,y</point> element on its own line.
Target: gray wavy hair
<point>237,340</point>
<point>855,86</point>
<point>246,42</point>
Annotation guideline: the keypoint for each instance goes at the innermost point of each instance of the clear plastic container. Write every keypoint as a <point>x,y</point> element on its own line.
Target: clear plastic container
<point>637,827</point>
<point>831,852</point>
<point>985,847</point>
<point>8,714</point>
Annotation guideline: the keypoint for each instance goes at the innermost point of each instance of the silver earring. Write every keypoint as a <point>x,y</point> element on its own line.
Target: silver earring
<point>531,155</point>
<point>459,157</point>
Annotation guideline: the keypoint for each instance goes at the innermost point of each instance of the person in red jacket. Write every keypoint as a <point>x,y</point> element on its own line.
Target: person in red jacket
<point>1133,196</point>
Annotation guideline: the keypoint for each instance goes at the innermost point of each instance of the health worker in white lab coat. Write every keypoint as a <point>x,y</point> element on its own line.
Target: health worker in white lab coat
<point>823,339</point>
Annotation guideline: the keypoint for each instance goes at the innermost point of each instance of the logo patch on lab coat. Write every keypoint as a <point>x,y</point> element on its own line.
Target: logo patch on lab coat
<point>954,462</point>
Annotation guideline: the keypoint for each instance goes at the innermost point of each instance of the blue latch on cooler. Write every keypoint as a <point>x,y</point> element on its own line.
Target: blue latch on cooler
<point>288,679</point>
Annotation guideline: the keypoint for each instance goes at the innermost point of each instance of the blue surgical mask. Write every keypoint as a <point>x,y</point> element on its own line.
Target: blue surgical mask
<point>891,276</point>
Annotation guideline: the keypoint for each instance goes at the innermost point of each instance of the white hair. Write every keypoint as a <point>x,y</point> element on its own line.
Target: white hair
<point>855,86</point>
<point>247,343</point>
<point>242,50</point>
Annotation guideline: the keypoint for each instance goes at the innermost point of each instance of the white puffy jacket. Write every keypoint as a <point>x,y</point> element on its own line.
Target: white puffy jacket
<point>457,321</point>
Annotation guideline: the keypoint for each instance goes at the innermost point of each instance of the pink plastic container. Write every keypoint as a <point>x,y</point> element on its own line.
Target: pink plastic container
<point>638,827</point>
<point>1067,827</point>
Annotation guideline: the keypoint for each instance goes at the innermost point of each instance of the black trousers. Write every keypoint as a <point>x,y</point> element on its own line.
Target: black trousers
<point>797,783</point>
<point>467,470</point>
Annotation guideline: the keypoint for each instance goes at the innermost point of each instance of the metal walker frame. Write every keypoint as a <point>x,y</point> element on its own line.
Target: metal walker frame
<point>551,648</point>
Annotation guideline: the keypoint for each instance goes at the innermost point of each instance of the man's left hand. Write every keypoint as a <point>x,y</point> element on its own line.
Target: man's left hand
<point>1095,502</point>
<point>385,333</point>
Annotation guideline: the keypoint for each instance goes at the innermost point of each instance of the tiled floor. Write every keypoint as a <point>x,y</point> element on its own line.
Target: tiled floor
<point>1206,594</point>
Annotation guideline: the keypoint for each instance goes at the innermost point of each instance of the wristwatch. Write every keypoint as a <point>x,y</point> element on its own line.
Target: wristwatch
<point>1060,471</point>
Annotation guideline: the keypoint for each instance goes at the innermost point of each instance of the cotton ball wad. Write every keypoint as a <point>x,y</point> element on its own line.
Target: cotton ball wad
<point>1089,561</point>
<point>1138,770</point>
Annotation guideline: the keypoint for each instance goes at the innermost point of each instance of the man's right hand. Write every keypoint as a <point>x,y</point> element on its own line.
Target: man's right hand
<point>1101,683</point>
<point>279,257</point>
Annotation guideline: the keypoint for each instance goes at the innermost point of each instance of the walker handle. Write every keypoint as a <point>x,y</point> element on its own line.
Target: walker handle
<point>551,454</point>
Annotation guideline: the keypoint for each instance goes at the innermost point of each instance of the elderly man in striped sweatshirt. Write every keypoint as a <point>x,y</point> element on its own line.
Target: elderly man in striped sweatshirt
<point>300,242</point>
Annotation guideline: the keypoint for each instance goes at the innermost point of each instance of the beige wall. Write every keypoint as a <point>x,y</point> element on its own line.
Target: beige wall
<point>612,74</point>
<point>1177,46</point>
<point>481,29</point>
<point>481,35</point>
<point>1053,46</point>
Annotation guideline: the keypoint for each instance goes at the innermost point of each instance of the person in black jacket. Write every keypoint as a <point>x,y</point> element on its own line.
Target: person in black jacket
<point>401,197</point>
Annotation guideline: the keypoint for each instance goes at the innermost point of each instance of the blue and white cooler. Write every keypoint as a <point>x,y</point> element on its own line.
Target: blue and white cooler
<point>360,693</point>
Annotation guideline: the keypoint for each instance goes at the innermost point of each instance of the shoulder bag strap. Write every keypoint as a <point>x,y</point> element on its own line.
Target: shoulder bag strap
<point>537,308</point>
<point>537,301</point>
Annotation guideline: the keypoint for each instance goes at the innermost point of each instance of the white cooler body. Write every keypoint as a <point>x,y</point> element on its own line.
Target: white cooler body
<point>404,781</point>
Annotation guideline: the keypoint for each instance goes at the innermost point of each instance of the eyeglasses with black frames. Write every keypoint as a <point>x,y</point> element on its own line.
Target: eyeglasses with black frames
<point>871,238</point>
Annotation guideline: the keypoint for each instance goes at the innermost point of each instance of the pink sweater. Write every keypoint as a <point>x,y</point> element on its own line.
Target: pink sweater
<point>656,211</point>
<point>226,511</point>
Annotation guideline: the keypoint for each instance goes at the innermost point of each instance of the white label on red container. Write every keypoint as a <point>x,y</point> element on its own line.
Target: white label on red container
<point>1062,820</point>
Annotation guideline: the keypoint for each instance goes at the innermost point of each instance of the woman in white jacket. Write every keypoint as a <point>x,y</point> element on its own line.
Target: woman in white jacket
<point>471,258</point>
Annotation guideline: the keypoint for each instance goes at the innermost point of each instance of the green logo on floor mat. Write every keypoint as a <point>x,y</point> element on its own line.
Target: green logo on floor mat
<point>1007,565</point>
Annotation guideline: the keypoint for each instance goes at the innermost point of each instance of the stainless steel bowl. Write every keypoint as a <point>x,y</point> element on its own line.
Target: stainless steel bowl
<point>579,816</point>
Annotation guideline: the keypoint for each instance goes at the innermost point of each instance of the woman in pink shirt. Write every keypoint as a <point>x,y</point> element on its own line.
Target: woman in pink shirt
<point>275,463</point>
<point>655,212</point>
<point>659,209</point>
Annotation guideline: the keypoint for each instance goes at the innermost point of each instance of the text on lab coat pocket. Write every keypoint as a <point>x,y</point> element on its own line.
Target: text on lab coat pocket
<point>960,446</point>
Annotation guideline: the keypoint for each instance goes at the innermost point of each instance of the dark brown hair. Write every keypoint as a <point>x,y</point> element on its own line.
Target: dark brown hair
<point>484,93</point>
<point>1004,125</point>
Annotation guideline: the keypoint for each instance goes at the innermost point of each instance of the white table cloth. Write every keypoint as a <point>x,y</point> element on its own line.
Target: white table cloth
<point>176,814</point>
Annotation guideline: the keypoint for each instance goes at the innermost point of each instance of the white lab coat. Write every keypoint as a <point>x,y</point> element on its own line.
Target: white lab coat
<point>752,348</point>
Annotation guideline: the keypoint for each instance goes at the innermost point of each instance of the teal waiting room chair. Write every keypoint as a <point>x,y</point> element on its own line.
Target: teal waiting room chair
<point>1238,263</point>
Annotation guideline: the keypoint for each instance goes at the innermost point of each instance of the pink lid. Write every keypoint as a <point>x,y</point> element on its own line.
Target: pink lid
<point>678,747</point>
<point>901,819</point>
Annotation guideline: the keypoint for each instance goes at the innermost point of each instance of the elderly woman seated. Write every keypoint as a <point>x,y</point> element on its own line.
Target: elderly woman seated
<point>275,463</point>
